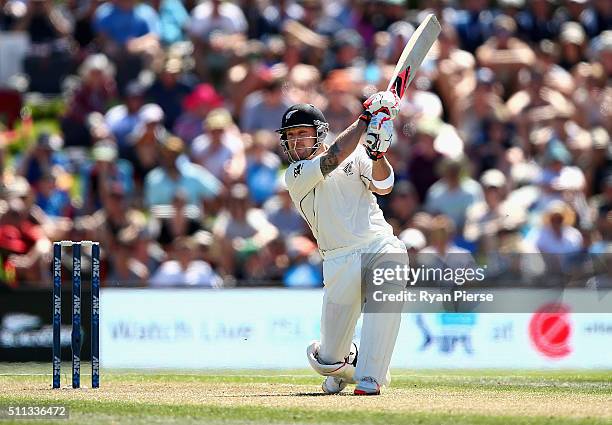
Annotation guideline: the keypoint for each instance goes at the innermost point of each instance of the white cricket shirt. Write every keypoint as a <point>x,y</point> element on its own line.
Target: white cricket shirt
<point>339,208</point>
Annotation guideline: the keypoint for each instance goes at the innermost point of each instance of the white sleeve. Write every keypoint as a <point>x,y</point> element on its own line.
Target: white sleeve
<point>302,176</point>
<point>364,164</point>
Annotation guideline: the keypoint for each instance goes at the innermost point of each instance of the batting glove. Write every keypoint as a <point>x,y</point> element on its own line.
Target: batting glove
<point>379,136</point>
<point>383,101</point>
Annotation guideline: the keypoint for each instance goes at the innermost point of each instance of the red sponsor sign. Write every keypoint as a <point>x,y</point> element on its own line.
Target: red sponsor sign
<point>550,330</point>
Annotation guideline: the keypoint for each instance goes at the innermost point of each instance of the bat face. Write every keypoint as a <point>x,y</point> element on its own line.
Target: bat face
<point>413,54</point>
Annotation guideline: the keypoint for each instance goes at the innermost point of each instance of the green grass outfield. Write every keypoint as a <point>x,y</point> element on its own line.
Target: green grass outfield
<point>273,397</point>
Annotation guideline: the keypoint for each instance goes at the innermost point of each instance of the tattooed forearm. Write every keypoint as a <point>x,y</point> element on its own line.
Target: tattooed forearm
<point>329,161</point>
<point>342,147</point>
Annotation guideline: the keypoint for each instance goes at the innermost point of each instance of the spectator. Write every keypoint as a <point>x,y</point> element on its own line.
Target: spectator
<point>49,59</point>
<point>597,18</point>
<point>474,110</point>
<point>425,158</point>
<point>93,94</point>
<point>303,272</point>
<point>504,53</point>
<point>23,243</point>
<point>219,148</point>
<point>262,166</point>
<point>441,248</point>
<point>84,33</point>
<point>176,220</point>
<point>482,218</point>
<point>125,269</point>
<point>114,216</point>
<point>534,107</point>
<point>142,147</point>
<point>342,106</point>
<point>173,19</point>
<point>184,269</point>
<point>54,201</point>
<point>264,109</point>
<point>128,31</point>
<point>402,206</point>
<point>346,52</point>
<point>454,192</point>
<point>105,172</point>
<point>126,24</point>
<point>44,23</point>
<point>537,23</point>
<point>216,15</point>
<point>124,118</point>
<point>169,90</point>
<point>241,229</point>
<point>281,213</point>
<point>557,235</point>
<point>573,40</point>
<point>196,106</point>
<point>43,158</point>
<point>473,24</point>
<point>455,80</point>
<point>176,173</point>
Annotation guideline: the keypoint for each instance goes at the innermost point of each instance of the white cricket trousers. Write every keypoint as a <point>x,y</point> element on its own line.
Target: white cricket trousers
<point>342,305</point>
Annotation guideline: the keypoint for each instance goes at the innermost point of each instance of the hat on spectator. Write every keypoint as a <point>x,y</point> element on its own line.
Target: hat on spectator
<point>239,191</point>
<point>135,89</point>
<point>173,66</point>
<point>173,144</point>
<point>601,138</point>
<point>218,119</point>
<point>401,29</point>
<point>493,178</point>
<point>451,163</point>
<point>413,238</point>
<point>203,95</point>
<point>505,24</point>
<point>104,150</point>
<point>570,178</point>
<point>151,113</point>
<point>430,126</point>
<point>96,62</point>
<point>572,32</point>
<point>448,142</point>
<point>511,216</point>
<point>10,239</point>
<point>18,187</point>
<point>558,207</point>
<point>347,38</point>
<point>485,76</point>
<point>603,43</point>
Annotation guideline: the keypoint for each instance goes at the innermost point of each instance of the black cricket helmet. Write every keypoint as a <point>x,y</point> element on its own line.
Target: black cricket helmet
<point>302,115</point>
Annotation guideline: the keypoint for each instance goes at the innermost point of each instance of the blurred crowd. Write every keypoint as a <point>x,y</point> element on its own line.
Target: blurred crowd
<point>163,147</point>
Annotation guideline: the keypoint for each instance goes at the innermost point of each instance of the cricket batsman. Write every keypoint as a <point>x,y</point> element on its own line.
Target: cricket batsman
<point>331,186</point>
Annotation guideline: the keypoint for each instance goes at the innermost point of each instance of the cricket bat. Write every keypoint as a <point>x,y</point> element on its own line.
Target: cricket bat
<point>413,54</point>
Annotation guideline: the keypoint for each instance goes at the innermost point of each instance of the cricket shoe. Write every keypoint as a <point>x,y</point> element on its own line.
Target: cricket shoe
<point>333,385</point>
<point>367,386</point>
